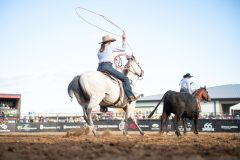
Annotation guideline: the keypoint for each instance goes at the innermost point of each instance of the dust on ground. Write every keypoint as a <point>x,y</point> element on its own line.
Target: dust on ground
<point>62,146</point>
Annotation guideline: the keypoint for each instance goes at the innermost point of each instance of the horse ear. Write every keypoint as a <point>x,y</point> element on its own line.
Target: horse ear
<point>205,87</point>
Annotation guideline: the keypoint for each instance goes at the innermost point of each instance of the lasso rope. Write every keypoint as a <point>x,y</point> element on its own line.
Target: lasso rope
<point>105,18</point>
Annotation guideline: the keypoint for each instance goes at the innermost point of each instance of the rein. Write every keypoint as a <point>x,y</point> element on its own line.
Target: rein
<point>128,66</point>
<point>128,69</point>
<point>198,93</point>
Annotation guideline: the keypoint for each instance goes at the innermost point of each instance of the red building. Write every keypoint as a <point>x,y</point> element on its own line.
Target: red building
<point>10,104</point>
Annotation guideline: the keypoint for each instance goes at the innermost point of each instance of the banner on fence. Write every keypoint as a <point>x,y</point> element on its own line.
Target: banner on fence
<point>204,125</point>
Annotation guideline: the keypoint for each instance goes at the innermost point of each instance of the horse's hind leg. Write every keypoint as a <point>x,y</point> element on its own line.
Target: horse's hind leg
<point>175,124</point>
<point>90,123</point>
<point>161,124</point>
<point>92,103</point>
<point>163,121</point>
<point>184,121</point>
<point>85,114</point>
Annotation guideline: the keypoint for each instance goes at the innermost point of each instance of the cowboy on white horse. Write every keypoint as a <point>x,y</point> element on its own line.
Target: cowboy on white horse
<point>93,88</point>
<point>106,56</point>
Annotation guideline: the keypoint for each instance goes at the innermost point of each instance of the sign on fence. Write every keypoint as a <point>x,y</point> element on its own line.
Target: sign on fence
<point>204,125</point>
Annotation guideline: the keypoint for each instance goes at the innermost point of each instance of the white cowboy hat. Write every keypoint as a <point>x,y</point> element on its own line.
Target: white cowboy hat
<point>107,38</point>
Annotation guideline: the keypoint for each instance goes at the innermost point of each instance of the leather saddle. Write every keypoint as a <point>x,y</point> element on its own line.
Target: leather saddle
<point>104,104</point>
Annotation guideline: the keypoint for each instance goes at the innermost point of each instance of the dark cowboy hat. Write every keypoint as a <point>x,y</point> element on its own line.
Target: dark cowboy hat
<point>188,75</point>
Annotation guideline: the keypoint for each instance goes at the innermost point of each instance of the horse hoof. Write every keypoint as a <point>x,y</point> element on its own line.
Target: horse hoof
<point>196,132</point>
<point>97,136</point>
<point>88,130</point>
<point>162,132</point>
<point>125,133</point>
<point>177,133</point>
<point>169,134</point>
<point>142,133</point>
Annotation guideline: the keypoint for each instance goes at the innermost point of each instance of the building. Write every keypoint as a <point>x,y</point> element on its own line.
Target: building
<point>222,98</point>
<point>10,104</point>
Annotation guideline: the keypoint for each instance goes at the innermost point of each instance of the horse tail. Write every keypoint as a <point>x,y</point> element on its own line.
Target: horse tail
<point>70,91</point>
<point>151,114</point>
<point>76,87</point>
<point>81,91</point>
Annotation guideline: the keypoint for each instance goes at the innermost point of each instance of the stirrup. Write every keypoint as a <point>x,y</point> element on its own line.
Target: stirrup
<point>103,109</point>
<point>134,98</point>
<point>131,99</point>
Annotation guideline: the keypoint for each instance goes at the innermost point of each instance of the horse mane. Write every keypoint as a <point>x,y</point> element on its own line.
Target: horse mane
<point>198,90</point>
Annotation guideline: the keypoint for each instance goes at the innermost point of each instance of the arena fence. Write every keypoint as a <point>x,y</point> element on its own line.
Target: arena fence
<point>204,125</point>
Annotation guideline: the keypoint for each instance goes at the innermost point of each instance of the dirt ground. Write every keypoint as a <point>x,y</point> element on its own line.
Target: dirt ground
<point>109,145</point>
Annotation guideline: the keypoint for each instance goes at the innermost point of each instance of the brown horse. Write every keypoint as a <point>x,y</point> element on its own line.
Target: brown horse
<point>183,105</point>
<point>200,94</point>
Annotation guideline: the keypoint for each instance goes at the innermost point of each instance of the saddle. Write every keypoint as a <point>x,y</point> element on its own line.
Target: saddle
<point>104,104</point>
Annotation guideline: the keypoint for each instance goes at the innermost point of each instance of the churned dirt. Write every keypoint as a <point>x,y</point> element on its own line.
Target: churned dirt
<point>115,146</point>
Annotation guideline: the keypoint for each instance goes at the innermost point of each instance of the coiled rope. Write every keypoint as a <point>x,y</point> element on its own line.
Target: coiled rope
<point>105,18</point>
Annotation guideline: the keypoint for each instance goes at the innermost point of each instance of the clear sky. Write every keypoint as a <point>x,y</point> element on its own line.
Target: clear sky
<point>44,44</point>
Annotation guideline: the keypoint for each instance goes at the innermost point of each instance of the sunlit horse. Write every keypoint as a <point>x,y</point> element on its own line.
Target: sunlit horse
<point>94,88</point>
<point>183,105</point>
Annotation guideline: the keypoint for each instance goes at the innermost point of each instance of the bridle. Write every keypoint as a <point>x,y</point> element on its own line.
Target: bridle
<point>129,66</point>
<point>198,92</point>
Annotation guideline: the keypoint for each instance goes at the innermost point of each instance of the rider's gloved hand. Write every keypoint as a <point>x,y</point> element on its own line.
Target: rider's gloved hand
<point>123,36</point>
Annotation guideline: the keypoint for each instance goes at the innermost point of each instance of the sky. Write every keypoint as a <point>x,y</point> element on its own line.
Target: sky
<point>44,44</point>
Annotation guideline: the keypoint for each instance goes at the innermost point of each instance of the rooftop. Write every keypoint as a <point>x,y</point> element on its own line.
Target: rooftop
<point>229,91</point>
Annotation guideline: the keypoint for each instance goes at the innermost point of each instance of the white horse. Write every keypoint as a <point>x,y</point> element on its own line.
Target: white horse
<point>94,88</point>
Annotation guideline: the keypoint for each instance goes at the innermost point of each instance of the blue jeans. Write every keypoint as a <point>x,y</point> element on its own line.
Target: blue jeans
<point>184,90</point>
<point>107,67</point>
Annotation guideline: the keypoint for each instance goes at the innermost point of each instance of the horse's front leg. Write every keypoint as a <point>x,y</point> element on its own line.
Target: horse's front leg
<point>125,130</point>
<point>135,122</point>
<point>130,114</point>
<point>195,124</point>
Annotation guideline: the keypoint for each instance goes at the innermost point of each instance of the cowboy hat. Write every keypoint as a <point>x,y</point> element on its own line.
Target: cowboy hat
<point>188,75</point>
<point>106,39</point>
